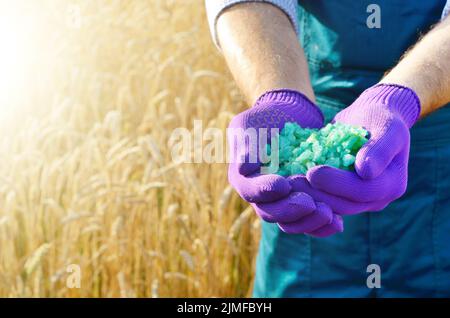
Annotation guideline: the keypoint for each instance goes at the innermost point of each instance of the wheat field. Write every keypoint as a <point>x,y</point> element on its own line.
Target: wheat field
<point>86,174</point>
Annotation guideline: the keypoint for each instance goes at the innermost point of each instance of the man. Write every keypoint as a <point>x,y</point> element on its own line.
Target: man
<point>346,57</point>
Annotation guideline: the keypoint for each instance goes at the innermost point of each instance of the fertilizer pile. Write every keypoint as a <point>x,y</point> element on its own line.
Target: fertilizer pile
<point>300,148</point>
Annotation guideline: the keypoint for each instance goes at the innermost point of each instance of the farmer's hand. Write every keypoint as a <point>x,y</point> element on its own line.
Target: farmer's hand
<point>271,194</point>
<point>387,111</point>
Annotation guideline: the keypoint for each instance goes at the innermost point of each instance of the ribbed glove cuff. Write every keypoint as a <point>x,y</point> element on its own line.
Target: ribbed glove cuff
<point>307,109</point>
<point>399,98</point>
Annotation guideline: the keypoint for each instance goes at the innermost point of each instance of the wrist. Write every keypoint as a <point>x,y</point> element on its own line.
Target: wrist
<point>400,99</point>
<point>306,108</point>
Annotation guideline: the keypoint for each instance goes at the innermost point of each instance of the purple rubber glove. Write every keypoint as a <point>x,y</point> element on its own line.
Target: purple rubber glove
<point>387,111</point>
<point>270,194</point>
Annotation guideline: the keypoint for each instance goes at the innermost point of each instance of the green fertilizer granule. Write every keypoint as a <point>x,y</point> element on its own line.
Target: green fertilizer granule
<point>300,148</point>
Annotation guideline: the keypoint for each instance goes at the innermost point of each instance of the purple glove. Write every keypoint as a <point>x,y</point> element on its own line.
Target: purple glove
<point>387,111</point>
<point>270,194</point>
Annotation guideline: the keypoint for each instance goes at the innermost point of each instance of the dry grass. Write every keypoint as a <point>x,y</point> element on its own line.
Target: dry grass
<point>86,175</point>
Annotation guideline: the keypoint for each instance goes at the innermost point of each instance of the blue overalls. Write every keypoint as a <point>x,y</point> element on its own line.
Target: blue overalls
<point>410,239</point>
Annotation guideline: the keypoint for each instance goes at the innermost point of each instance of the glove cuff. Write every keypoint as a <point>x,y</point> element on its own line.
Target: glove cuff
<point>308,111</point>
<point>401,99</point>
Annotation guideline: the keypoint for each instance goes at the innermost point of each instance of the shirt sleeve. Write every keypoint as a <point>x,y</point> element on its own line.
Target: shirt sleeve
<point>446,11</point>
<point>215,7</point>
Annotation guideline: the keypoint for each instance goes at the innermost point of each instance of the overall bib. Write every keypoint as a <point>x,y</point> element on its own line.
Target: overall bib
<point>410,239</point>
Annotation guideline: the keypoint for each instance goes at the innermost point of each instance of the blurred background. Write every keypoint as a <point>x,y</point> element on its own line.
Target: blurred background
<point>90,92</point>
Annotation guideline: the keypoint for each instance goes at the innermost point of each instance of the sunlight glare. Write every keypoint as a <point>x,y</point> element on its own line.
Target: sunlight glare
<point>15,56</point>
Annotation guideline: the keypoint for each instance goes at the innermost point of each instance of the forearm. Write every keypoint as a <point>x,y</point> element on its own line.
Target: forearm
<point>262,50</point>
<point>426,69</point>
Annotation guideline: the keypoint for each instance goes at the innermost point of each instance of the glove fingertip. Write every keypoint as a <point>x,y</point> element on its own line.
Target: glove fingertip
<point>336,226</point>
<point>374,157</point>
<point>367,167</point>
<point>317,173</point>
<point>338,223</point>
